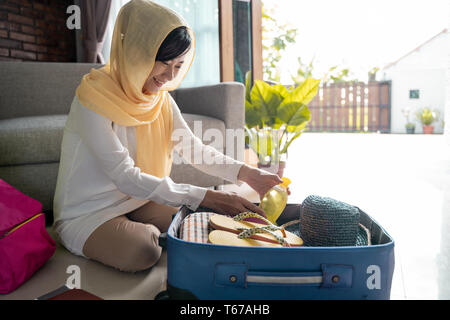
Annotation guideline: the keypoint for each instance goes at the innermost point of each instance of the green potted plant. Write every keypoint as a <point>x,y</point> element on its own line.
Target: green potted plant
<point>409,126</point>
<point>427,117</point>
<point>275,116</point>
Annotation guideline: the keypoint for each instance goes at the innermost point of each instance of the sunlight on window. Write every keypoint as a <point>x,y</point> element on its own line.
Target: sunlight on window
<point>203,17</point>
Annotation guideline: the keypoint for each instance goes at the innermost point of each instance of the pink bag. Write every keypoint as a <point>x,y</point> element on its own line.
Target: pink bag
<point>25,244</point>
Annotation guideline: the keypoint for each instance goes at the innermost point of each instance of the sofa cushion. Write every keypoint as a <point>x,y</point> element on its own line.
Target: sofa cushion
<point>37,181</point>
<point>29,140</point>
<point>183,172</point>
<point>205,123</point>
<point>39,88</point>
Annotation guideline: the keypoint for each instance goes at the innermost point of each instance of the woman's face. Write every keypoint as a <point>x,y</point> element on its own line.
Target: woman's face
<point>162,72</point>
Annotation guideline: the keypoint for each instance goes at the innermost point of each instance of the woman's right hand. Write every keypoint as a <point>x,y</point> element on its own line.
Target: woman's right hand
<point>229,203</point>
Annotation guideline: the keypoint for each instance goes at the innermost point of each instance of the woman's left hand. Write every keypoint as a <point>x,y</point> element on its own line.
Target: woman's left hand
<point>260,180</point>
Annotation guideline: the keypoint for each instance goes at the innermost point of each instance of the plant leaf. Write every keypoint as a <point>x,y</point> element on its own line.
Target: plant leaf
<point>294,114</point>
<point>252,114</point>
<point>281,90</point>
<point>305,92</point>
<point>296,129</point>
<point>278,123</point>
<point>266,100</point>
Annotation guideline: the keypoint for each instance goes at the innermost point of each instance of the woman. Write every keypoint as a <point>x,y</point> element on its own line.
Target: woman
<point>114,195</point>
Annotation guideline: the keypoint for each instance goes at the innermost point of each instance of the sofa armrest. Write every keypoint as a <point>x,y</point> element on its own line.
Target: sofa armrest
<point>224,101</point>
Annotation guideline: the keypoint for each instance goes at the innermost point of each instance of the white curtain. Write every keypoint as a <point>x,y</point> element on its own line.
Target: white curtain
<point>115,7</point>
<point>203,17</point>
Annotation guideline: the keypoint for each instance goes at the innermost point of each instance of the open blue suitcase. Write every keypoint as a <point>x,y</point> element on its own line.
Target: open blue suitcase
<point>208,271</point>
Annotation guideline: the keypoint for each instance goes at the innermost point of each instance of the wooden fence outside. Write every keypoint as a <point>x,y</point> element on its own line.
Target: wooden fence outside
<point>351,107</point>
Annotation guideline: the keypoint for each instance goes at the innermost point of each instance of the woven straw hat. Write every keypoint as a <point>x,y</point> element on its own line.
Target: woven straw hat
<point>329,222</point>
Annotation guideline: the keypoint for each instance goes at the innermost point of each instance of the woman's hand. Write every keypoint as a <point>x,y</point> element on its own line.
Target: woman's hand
<point>260,180</point>
<point>229,203</point>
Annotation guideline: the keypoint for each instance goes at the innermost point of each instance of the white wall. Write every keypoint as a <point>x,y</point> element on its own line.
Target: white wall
<point>431,84</point>
<point>447,98</point>
<point>424,70</point>
<point>447,102</point>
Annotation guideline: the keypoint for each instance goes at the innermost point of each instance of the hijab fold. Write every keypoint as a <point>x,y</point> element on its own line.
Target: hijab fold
<point>115,90</point>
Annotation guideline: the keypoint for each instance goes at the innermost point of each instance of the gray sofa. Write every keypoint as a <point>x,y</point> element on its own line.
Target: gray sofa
<point>35,98</point>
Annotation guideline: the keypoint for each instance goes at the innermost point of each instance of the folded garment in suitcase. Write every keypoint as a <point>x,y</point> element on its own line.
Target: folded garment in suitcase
<point>209,227</point>
<point>195,227</point>
<point>208,271</point>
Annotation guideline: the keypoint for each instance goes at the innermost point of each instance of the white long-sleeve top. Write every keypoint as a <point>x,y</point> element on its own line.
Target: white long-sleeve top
<point>97,178</point>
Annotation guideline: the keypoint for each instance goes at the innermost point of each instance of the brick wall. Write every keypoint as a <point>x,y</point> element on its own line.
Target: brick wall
<point>35,30</point>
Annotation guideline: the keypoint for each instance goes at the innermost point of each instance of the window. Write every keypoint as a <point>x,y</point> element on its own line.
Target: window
<point>115,7</point>
<point>203,18</point>
<point>242,38</point>
<point>227,36</point>
<point>414,94</point>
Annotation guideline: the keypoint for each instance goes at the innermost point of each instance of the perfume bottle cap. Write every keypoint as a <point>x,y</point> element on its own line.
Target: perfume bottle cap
<point>286,182</point>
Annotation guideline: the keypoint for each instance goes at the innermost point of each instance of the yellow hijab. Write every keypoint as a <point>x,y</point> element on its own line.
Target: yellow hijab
<point>115,90</point>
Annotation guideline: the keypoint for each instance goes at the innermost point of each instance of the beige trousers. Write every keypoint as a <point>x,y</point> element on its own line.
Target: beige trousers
<point>130,242</point>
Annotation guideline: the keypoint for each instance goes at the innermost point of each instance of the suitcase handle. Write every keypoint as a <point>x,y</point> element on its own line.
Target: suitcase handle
<point>297,278</point>
<point>238,275</point>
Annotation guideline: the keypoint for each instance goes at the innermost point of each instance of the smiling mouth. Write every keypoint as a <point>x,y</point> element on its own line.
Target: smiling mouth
<point>158,83</point>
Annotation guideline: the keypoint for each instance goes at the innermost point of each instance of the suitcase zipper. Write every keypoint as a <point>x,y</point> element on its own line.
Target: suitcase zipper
<point>20,225</point>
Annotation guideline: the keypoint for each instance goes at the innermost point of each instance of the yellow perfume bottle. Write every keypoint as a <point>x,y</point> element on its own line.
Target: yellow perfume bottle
<point>274,201</point>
